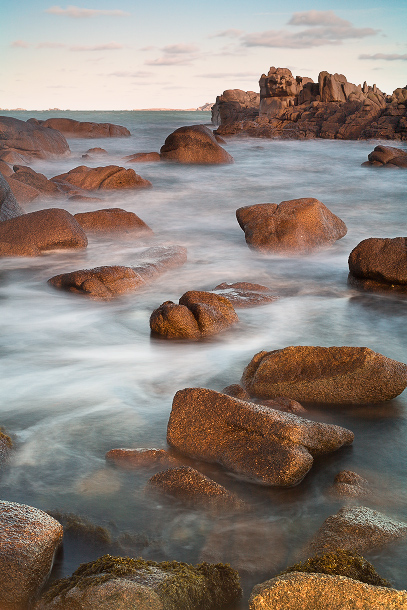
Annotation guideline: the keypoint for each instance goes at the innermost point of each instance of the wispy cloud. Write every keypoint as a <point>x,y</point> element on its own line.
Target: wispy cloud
<point>51,45</point>
<point>138,74</point>
<point>109,46</point>
<point>231,33</point>
<point>20,44</point>
<point>175,54</point>
<point>385,56</point>
<point>169,60</point>
<point>76,12</point>
<point>180,48</point>
<point>326,29</point>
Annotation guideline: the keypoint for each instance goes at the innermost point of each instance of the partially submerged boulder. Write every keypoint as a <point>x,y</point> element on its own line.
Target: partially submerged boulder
<point>301,591</point>
<point>29,539</point>
<point>145,585</point>
<point>297,226</point>
<point>334,375</point>
<point>349,484</point>
<point>36,232</point>
<point>112,220</point>
<point>379,264</point>
<point>258,443</point>
<point>85,129</point>
<point>387,156</point>
<point>194,144</point>
<point>199,314</point>
<point>9,208</point>
<point>30,140</point>
<point>245,294</point>
<point>110,177</point>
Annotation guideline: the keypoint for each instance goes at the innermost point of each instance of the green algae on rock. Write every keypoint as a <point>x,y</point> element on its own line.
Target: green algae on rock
<point>145,585</point>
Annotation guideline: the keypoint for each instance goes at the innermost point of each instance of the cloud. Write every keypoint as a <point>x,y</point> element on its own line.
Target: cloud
<point>180,48</point>
<point>109,46</point>
<point>326,29</point>
<point>386,57</point>
<point>20,44</point>
<point>138,74</point>
<point>231,33</point>
<point>83,13</point>
<point>175,54</point>
<point>318,18</point>
<point>169,60</point>
<point>51,45</point>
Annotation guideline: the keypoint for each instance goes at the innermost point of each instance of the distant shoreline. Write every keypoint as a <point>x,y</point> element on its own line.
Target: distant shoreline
<point>133,110</point>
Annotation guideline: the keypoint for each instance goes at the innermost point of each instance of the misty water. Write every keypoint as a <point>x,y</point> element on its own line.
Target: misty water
<point>81,377</point>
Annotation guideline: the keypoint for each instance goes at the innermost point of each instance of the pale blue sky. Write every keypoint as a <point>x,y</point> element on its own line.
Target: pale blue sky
<point>122,54</point>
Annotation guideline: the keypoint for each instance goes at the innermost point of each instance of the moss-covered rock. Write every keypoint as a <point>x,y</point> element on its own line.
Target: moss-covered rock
<point>341,563</point>
<point>142,585</point>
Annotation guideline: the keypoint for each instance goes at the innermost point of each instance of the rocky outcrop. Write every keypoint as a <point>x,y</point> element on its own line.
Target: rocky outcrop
<point>334,375</point>
<point>300,591</point>
<point>131,459</point>
<point>379,264</point>
<point>36,232</point>
<point>245,294</point>
<point>199,314</point>
<point>258,443</point>
<point>110,177</point>
<point>355,528</point>
<point>9,208</point>
<point>84,129</point>
<point>145,585</point>
<point>108,282</point>
<point>235,105</point>
<point>297,108</point>
<point>194,489</point>
<point>29,539</point>
<point>387,156</point>
<point>194,144</point>
<point>112,220</point>
<point>297,226</point>
<point>25,140</point>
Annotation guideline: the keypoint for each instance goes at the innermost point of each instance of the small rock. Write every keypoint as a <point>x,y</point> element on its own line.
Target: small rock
<point>143,157</point>
<point>99,283</point>
<point>112,220</point>
<point>244,294</point>
<point>349,484</point>
<point>110,177</point>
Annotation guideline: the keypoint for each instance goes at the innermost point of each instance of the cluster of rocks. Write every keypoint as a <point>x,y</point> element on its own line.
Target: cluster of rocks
<point>297,108</point>
<point>387,156</point>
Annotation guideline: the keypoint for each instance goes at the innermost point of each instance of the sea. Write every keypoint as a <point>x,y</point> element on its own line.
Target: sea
<point>80,377</point>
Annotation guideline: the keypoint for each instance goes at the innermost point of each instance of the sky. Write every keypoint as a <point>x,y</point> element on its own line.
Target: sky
<point>125,55</point>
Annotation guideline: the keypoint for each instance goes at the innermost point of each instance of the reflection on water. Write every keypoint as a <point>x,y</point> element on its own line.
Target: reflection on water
<point>81,377</point>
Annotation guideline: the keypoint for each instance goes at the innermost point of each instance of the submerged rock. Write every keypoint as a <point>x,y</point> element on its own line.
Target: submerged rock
<point>334,375</point>
<point>36,232</point>
<point>258,443</point>
<point>379,264</point>
<point>130,459</point>
<point>145,585</point>
<point>349,484</point>
<point>29,539</point>
<point>194,144</point>
<point>110,177</point>
<point>112,220</point>
<point>85,129</point>
<point>300,591</point>
<point>245,294</point>
<point>297,226</point>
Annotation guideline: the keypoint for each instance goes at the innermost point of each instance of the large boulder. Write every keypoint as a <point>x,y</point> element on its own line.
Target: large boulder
<point>194,144</point>
<point>258,443</point>
<point>124,583</point>
<point>297,226</point>
<point>29,539</point>
<point>85,129</point>
<point>27,176</point>
<point>36,232</point>
<point>110,177</point>
<point>199,314</point>
<point>301,591</point>
<point>387,156</point>
<point>355,528</point>
<point>9,208</point>
<point>112,220</point>
<point>379,264</point>
<point>30,140</point>
<point>335,375</point>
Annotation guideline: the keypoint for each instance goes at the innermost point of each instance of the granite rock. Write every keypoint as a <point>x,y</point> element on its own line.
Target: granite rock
<point>85,129</point>
<point>111,177</point>
<point>194,144</point>
<point>112,220</point>
<point>30,140</point>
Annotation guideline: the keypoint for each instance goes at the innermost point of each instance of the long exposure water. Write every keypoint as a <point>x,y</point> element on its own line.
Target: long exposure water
<point>80,377</point>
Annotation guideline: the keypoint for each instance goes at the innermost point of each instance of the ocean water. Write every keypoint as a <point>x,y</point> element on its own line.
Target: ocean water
<point>81,377</point>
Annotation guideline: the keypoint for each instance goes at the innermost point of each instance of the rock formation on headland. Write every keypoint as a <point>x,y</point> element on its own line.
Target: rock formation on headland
<point>297,108</point>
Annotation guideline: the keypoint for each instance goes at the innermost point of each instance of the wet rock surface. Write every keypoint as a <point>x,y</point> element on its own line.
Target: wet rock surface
<point>199,314</point>
<point>294,226</point>
<point>28,541</point>
<point>245,294</point>
<point>28,140</point>
<point>260,444</point>
<point>110,177</point>
<point>85,129</point>
<point>349,484</point>
<point>379,264</point>
<point>36,232</point>
<point>334,375</point>
<point>112,220</point>
<point>299,591</point>
<point>194,144</point>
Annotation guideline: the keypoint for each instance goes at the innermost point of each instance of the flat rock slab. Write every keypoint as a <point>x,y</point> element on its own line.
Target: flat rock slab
<point>110,177</point>
<point>36,232</point>
<point>334,375</point>
<point>194,144</point>
<point>297,226</point>
<point>123,583</point>
<point>199,314</point>
<point>245,294</point>
<point>31,140</point>
<point>28,541</point>
<point>379,264</point>
<point>112,220</point>
<point>194,489</point>
<point>86,129</point>
<point>258,443</point>
<point>355,528</point>
<point>300,591</point>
